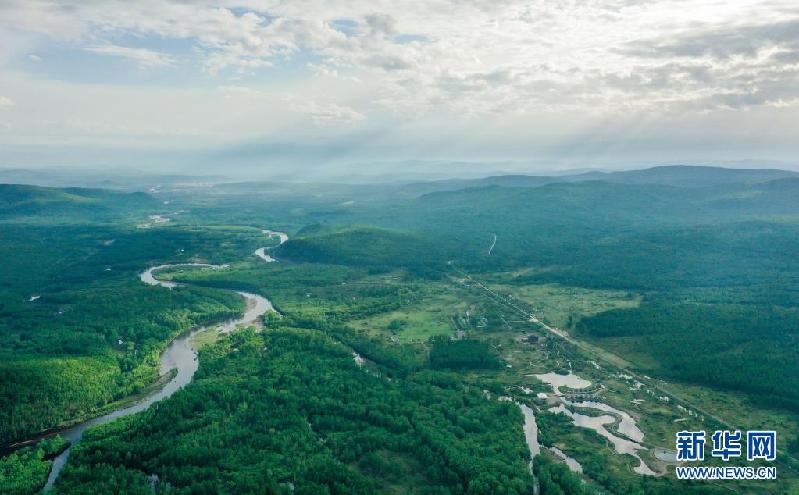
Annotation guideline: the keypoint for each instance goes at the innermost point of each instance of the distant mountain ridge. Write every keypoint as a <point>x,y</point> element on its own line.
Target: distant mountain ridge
<point>693,176</point>
<point>725,180</point>
<point>116,180</point>
<point>670,175</point>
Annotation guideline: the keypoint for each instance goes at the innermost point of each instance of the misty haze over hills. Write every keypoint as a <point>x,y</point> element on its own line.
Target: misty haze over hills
<point>428,175</point>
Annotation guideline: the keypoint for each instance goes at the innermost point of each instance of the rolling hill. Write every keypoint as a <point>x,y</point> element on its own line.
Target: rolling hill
<point>23,200</point>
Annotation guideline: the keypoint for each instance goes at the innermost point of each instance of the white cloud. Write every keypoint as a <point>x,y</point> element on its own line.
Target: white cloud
<point>319,112</point>
<point>6,102</point>
<point>526,71</point>
<point>463,57</point>
<point>144,57</point>
<point>324,114</point>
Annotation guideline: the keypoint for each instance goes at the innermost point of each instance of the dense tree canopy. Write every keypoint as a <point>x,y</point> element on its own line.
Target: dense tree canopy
<point>290,407</point>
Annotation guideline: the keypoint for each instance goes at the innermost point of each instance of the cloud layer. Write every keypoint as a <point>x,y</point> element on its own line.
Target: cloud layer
<point>144,57</point>
<point>526,77</point>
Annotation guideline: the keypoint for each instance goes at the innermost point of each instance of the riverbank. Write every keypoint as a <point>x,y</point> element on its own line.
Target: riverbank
<point>179,360</point>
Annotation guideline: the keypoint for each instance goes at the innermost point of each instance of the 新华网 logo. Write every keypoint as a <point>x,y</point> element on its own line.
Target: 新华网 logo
<point>726,445</point>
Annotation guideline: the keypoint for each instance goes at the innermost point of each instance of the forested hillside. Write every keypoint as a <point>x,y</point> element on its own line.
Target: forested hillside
<point>289,411</point>
<point>371,247</point>
<point>69,204</point>
<point>77,327</point>
<point>725,251</point>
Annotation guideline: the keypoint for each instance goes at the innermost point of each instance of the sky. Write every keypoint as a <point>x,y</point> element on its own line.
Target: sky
<point>260,87</point>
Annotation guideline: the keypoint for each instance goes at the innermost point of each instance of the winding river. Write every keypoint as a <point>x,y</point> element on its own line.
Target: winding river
<point>180,355</point>
<point>263,252</point>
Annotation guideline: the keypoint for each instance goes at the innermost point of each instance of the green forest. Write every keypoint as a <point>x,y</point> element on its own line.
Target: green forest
<point>77,329</point>
<point>402,341</point>
<point>290,408</point>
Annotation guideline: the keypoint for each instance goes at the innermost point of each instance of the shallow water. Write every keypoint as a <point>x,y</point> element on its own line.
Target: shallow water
<point>597,423</point>
<point>665,455</point>
<point>530,432</point>
<point>626,425</point>
<point>273,233</point>
<point>261,253</point>
<point>571,380</point>
<point>571,462</point>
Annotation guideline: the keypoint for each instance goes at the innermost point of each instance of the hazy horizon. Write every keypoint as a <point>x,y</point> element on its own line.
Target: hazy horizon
<point>399,172</point>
